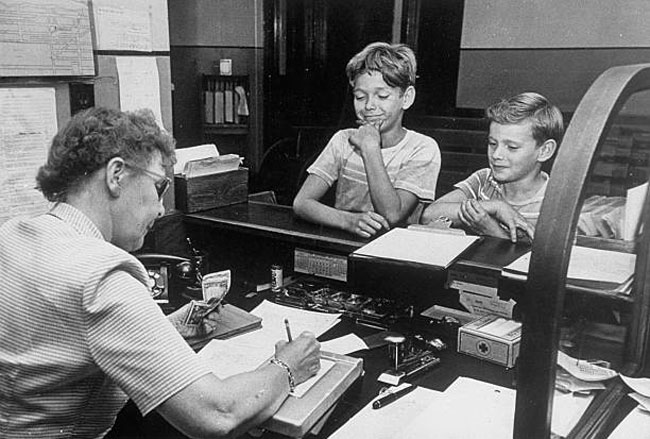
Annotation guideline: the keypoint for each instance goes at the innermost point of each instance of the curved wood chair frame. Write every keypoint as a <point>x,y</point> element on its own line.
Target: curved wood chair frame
<point>545,289</point>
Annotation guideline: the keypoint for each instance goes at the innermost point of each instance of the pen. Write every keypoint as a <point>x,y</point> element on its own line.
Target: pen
<point>382,402</point>
<point>288,328</point>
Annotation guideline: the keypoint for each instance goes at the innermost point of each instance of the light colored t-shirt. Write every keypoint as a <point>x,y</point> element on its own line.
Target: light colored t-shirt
<point>80,332</point>
<point>481,185</point>
<point>412,165</point>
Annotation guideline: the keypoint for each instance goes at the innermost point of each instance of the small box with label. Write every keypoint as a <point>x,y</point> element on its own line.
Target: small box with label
<point>491,338</point>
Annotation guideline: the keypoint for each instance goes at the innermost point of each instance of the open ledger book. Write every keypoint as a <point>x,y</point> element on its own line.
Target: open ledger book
<point>428,247</point>
<point>589,269</point>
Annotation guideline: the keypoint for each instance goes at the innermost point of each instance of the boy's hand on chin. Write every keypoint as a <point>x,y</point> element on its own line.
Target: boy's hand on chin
<point>366,138</point>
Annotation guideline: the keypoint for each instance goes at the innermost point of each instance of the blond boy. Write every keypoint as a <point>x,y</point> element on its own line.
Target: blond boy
<point>504,200</point>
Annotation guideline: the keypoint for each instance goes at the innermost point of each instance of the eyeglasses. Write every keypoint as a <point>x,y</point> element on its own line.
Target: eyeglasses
<point>161,182</point>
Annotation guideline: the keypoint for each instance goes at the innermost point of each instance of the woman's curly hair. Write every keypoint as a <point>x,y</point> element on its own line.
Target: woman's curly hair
<point>92,138</point>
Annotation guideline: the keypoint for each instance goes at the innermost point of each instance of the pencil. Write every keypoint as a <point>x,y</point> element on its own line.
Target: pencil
<point>288,328</point>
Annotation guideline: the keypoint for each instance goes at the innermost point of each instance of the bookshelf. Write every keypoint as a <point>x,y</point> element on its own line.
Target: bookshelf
<point>225,105</point>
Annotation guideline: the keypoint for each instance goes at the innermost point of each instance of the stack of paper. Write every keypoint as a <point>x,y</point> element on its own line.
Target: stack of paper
<point>589,269</point>
<point>201,160</point>
<point>423,247</point>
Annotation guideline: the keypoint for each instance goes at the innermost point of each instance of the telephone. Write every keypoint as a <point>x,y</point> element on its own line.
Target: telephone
<point>172,276</point>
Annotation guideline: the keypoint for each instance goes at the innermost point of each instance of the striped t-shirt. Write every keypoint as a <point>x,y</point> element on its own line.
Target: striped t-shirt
<point>412,165</point>
<point>79,331</point>
<point>481,185</point>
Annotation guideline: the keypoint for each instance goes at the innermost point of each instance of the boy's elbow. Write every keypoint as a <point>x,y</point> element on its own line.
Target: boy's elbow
<point>298,206</point>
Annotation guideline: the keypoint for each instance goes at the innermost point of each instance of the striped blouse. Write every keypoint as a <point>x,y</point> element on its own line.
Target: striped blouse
<point>80,333</point>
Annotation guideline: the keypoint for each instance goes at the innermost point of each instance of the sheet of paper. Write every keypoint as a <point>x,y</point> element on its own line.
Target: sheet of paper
<point>589,264</point>
<point>639,385</point>
<point>436,249</point>
<point>644,401</point>
<point>45,38</point>
<point>568,408</point>
<point>344,345</point>
<point>302,388</point>
<point>634,203</point>
<point>247,351</point>
<point>468,409</point>
<point>389,421</point>
<point>122,25</point>
<point>28,123</point>
<point>635,425</point>
<point>184,155</point>
<point>139,84</point>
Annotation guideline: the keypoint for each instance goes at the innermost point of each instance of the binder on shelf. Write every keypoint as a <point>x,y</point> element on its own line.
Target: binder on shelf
<point>229,103</point>
<point>219,115</point>
<point>208,101</point>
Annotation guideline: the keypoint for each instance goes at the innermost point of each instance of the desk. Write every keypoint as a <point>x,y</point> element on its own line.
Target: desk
<point>273,231</point>
<point>363,391</point>
<point>277,222</point>
<point>248,237</point>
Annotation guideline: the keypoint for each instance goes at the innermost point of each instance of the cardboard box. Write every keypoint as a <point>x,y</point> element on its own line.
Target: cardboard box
<point>491,338</point>
<point>205,192</point>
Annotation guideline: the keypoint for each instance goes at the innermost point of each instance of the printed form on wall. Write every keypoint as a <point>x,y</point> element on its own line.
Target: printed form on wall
<point>28,121</point>
<point>139,84</point>
<point>134,26</point>
<point>45,38</point>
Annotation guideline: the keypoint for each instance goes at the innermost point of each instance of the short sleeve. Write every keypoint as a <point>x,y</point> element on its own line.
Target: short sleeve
<point>419,171</point>
<point>131,340</point>
<point>328,164</point>
<point>471,186</point>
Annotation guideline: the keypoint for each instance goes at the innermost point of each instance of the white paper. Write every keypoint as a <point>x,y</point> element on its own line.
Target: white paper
<point>27,125</point>
<point>634,203</point>
<point>389,421</point>
<point>344,345</point>
<point>248,351</point>
<point>588,264</point>
<point>640,385</point>
<point>468,409</point>
<point>302,388</point>
<point>139,84</point>
<point>644,401</point>
<point>122,25</point>
<point>436,249</point>
<point>568,408</point>
<point>45,38</point>
<point>635,425</point>
<point>184,155</point>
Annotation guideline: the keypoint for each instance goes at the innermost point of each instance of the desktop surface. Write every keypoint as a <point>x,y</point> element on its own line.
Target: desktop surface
<point>278,222</point>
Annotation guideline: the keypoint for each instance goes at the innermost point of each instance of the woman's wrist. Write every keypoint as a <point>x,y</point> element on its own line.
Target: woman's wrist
<point>292,382</point>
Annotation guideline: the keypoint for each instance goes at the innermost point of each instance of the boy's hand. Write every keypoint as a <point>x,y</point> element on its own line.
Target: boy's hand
<point>365,224</point>
<point>515,224</point>
<point>367,138</point>
<point>479,220</point>
<point>483,217</point>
